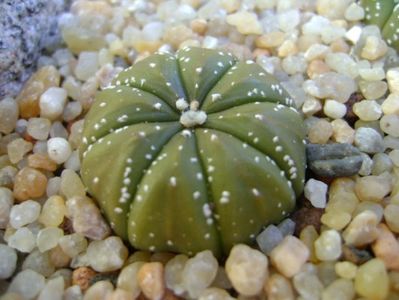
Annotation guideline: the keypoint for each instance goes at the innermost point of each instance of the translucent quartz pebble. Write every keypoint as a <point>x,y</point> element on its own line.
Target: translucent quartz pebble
<point>58,149</point>
<point>6,202</point>
<point>52,103</point>
<point>328,245</point>
<point>367,110</point>
<point>53,211</point>
<point>8,261</point>
<point>27,283</point>
<point>308,285</point>
<point>71,184</point>
<point>25,213</point>
<point>199,272</point>
<point>39,262</point>
<point>372,281</point>
<point>278,287</point>
<point>151,280</point>
<point>368,140</point>
<point>127,279</point>
<point>174,273</point>
<point>73,244</point>
<point>39,128</point>
<point>53,290</point>
<point>373,188</point>
<point>99,291</point>
<point>362,230</point>
<point>391,217</point>
<point>48,238</point>
<point>8,115</point>
<point>17,149</point>
<point>107,255</point>
<point>342,289</point>
<point>23,240</point>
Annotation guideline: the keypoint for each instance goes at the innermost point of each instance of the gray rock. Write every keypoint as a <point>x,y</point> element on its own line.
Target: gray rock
<point>333,160</point>
<point>368,140</point>
<point>287,227</point>
<point>26,27</point>
<point>269,238</point>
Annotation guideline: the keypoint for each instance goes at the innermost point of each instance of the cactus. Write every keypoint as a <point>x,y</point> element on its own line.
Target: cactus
<point>194,151</point>
<point>384,14</point>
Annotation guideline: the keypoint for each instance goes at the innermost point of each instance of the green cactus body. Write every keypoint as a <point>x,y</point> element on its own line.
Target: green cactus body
<point>384,14</point>
<point>194,151</point>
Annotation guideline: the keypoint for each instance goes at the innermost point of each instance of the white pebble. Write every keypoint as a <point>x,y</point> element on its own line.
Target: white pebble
<point>354,12</point>
<point>391,105</point>
<point>328,245</point>
<point>316,192</point>
<point>334,109</point>
<point>59,149</point>
<point>393,80</point>
<point>6,202</point>
<point>27,283</point>
<point>367,110</point>
<point>48,238</point>
<point>8,261</point>
<point>52,103</point>
<point>25,213</point>
<point>23,240</point>
<point>53,290</point>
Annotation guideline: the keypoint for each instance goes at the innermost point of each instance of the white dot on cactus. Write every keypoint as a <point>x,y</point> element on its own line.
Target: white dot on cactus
<point>279,148</point>
<point>157,106</point>
<point>172,181</point>
<point>196,195</point>
<point>96,180</point>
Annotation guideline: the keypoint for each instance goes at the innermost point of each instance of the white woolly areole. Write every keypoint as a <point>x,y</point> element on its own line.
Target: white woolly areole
<point>192,118</point>
<point>181,104</point>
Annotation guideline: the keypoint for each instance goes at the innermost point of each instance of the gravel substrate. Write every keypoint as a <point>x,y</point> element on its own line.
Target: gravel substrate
<point>341,243</point>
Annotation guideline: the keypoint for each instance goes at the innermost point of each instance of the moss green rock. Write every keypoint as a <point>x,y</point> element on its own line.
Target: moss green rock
<point>193,151</point>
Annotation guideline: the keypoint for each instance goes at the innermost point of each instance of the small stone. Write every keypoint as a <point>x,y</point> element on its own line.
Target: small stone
<point>86,218</point>
<point>373,89</point>
<point>374,48</point>
<point>393,80</point>
<point>346,269</point>
<point>199,26</point>
<point>73,292</point>
<point>308,285</point>
<point>174,274</point>
<point>308,236</point>
<point>317,67</point>
<point>390,125</point>
<point>23,240</point>
<point>294,64</point>
<point>373,188</point>
<point>336,219</point>
<point>245,22</point>
<point>107,255</point>
<point>52,103</point>
<point>101,290</point>
<point>269,238</point>
<point>8,115</point>
<point>320,132</point>
<point>199,272</point>
<point>8,261</point>
<point>374,207</point>
<point>342,63</point>
<point>367,165</point>
<point>287,50</point>
<point>311,106</point>
<point>39,128</point>
<point>71,184</point>
<point>333,160</point>
<point>73,162</point>
<point>354,12</point>
<point>29,183</point>
<point>53,186</point>
<point>391,217</point>
<point>58,130</point>
<point>372,73</point>
<point>39,262</point>
<point>128,279</point>
<point>82,276</point>
<point>6,203</point>
<point>59,149</point>
<point>73,244</point>
<point>372,281</point>
<point>394,156</point>
<point>41,161</point>
<point>362,230</point>
<point>119,294</point>
<point>151,280</point>
<point>289,256</point>
<point>48,238</point>
<point>7,176</point>
<point>288,20</point>
<point>368,140</point>
<point>270,40</point>
<point>214,293</point>
<point>334,109</point>
<point>381,163</point>
<point>25,213</point>
<point>59,258</point>
<point>386,247</point>
<point>332,10</point>
<point>27,284</point>
<point>316,191</point>
<point>341,288</point>
<point>367,110</point>
<point>287,227</point>
<point>17,149</point>
<point>328,245</point>
<point>53,211</point>
<point>87,65</point>
<point>391,105</point>
<point>53,290</point>
<point>246,269</point>
<point>342,132</point>
<point>72,110</point>
<point>277,287</point>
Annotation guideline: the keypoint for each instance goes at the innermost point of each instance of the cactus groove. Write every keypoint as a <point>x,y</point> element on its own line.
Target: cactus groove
<point>193,151</point>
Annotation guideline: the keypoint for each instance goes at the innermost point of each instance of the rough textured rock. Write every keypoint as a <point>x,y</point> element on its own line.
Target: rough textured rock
<point>27,26</point>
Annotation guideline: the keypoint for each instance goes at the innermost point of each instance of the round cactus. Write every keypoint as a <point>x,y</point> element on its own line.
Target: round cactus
<point>384,14</point>
<point>194,151</point>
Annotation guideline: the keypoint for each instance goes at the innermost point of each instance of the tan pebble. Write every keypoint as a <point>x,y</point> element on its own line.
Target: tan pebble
<point>17,149</point>
<point>81,277</point>
<point>345,269</point>
<point>119,294</point>
<point>53,211</point>
<point>342,132</point>
<point>336,219</point>
<point>391,213</point>
<point>199,26</point>
<point>177,34</point>
<point>373,188</point>
<point>320,132</point>
<point>362,230</point>
<point>289,256</point>
<point>341,289</point>
<point>41,161</point>
<point>245,22</point>
<point>29,183</point>
<point>386,247</point>
<point>372,280</point>
<point>317,67</point>
<point>127,279</point>
<point>277,287</point>
<point>214,293</point>
<point>99,291</point>
<point>230,5</point>
<point>270,40</point>
<point>151,280</point>
<point>259,52</point>
<point>340,45</point>
<point>308,236</point>
<point>59,258</point>
<point>287,48</point>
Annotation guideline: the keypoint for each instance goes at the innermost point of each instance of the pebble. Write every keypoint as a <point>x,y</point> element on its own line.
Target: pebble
<point>293,64</point>
<point>308,285</point>
<point>107,255</point>
<point>214,293</point>
<point>48,238</point>
<point>151,280</point>
<point>99,291</point>
<point>73,244</point>
<point>368,140</point>
<point>6,203</point>
<point>342,132</point>
<point>29,183</point>
<point>354,12</point>
<point>174,274</point>
<point>58,149</point>
<point>390,125</point>
<point>81,277</point>
<point>346,269</point>
<point>367,110</point>
<point>245,22</point>
<point>372,281</point>
<point>119,294</point>
<point>341,288</point>
<point>7,176</point>
<point>58,130</point>
<point>39,262</point>
<point>394,156</point>
<point>27,284</point>
<point>53,186</point>
<point>336,219</point>
<point>393,80</point>
<point>362,230</point>
<point>289,256</point>
<point>53,211</point>
<point>86,218</point>
<point>374,48</point>
<point>128,278</point>
<point>391,105</point>
<point>52,103</point>
<point>374,207</point>
<point>386,247</point>
<point>391,217</point>
<point>23,240</point>
<point>342,63</point>
<point>71,184</point>
<point>287,227</point>
<point>53,290</point>
<point>17,149</point>
<point>269,238</point>
<point>87,65</point>
<point>73,293</point>
<point>288,20</point>
<point>39,128</point>
<point>8,115</point>
<point>373,188</point>
<point>316,192</point>
<point>270,40</point>
<point>320,132</point>
<point>334,109</point>
<point>247,269</point>
<point>25,213</point>
<point>381,163</point>
<point>8,261</point>
<point>41,161</point>
<point>328,245</point>
<point>72,110</point>
<point>277,287</point>
<point>199,272</point>
<point>333,160</point>
<point>373,89</point>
